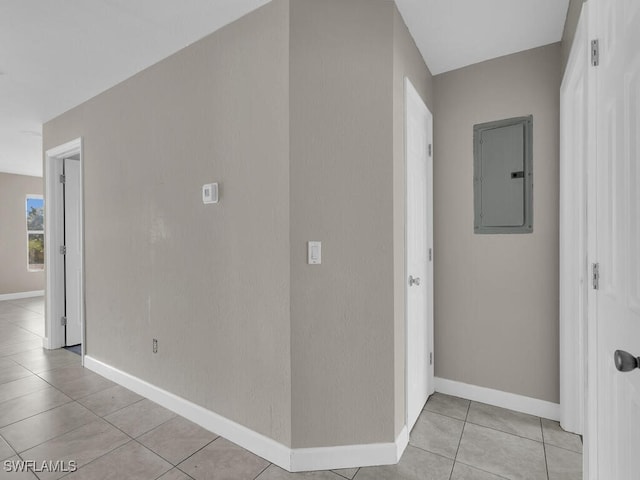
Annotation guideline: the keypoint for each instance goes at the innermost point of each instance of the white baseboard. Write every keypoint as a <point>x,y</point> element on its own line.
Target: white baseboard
<point>349,456</point>
<point>512,401</point>
<point>293,460</point>
<point>19,295</point>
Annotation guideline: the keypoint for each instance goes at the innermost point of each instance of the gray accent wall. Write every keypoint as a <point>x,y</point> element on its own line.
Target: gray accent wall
<point>210,282</point>
<point>14,257</point>
<point>496,296</point>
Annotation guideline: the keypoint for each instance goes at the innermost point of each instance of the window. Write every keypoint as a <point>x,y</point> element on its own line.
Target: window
<point>35,232</point>
<point>503,176</point>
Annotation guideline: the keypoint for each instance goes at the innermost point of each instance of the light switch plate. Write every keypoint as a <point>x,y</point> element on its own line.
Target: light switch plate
<point>210,193</point>
<point>314,253</point>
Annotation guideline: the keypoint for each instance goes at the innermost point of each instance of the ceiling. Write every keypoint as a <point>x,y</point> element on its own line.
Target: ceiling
<point>455,33</point>
<point>55,55</point>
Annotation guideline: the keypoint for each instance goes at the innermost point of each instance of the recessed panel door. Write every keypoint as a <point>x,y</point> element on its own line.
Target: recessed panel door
<point>419,241</point>
<point>618,239</point>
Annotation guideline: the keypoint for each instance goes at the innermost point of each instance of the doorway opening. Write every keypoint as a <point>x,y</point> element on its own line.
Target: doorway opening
<point>64,305</point>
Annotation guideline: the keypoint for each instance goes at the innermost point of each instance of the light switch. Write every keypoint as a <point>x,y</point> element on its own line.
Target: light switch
<point>210,193</point>
<point>315,253</point>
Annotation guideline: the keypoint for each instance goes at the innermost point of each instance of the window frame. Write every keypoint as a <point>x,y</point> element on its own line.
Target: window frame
<point>30,268</point>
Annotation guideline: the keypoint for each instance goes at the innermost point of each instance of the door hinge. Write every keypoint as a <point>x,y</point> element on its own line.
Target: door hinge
<point>430,148</point>
<point>63,321</point>
<point>595,53</point>
<point>430,358</point>
<point>63,250</point>
<point>63,179</point>
<point>430,254</point>
<point>596,276</point>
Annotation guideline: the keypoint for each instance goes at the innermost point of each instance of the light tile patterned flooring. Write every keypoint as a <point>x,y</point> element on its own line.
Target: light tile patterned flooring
<point>53,409</point>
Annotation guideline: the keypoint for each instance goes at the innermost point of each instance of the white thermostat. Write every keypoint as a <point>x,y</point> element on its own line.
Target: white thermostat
<point>210,193</point>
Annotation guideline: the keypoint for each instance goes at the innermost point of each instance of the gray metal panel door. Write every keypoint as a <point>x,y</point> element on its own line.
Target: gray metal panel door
<point>503,176</point>
<point>502,159</point>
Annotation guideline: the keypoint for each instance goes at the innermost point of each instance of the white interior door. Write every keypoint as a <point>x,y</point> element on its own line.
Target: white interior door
<point>73,256</point>
<point>419,232</point>
<point>618,238</point>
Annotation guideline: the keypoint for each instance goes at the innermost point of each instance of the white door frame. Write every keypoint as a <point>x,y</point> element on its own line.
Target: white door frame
<point>590,453</point>
<point>411,92</point>
<point>54,237</point>
<point>574,276</point>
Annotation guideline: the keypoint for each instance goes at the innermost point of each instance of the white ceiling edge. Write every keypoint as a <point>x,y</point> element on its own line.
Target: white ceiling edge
<point>57,55</point>
<point>452,34</point>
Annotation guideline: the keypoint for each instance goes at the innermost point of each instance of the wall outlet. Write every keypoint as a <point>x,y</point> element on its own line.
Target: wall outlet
<point>155,345</point>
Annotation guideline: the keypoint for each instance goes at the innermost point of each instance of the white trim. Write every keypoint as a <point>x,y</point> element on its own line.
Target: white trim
<point>402,441</point>
<point>590,465</point>
<point>19,295</point>
<point>293,460</point>
<point>512,401</point>
<point>349,456</point>
<point>574,274</point>
<point>54,264</point>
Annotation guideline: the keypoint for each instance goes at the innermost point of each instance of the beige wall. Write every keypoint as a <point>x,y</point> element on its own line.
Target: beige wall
<point>496,296</point>
<point>570,26</point>
<point>14,257</point>
<point>348,63</point>
<point>297,109</point>
<point>341,194</point>
<point>407,62</point>
<point>211,283</point>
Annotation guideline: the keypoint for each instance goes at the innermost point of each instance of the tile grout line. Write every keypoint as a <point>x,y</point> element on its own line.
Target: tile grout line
<point>189,477</point>
<point>112,450</point>
<point>37,374</point>
<point>127,434</point>
<point>464,425</point>
<point>431,453</point>
<point>342,476</point>
<point>482,470</point>
<point>20,351</point>
<point>71,400</point>
<point>100,456</point>
<point>544,451</point>
<point>184,459</point>
<point>130,439</point>
<point>562,448</point>
<point>98,417</point>
<point>57,436</point>
<point>502,431</point>
<point>197,451</point>
<point>27,330</point>
<point>110,413</point>
<point>262,471</point>
<point>103,455</point>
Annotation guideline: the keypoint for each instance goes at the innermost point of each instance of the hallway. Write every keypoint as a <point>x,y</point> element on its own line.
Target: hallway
<point>52,409</point>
